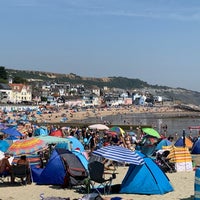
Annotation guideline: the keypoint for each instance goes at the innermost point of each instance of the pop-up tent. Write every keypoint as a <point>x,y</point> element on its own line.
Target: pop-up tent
<point>56,170</point>
<point>180,142</point>
<point>146,179</point>
<point>196,147</point>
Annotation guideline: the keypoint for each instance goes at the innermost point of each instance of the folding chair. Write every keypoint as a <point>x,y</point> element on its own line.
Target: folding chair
<point>20,171</point>
<point>97,175</point>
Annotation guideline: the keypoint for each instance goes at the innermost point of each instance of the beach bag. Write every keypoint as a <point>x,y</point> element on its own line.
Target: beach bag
<point>91,196</point>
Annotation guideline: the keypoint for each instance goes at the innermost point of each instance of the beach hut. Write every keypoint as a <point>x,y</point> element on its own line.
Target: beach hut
<point>145,179</point>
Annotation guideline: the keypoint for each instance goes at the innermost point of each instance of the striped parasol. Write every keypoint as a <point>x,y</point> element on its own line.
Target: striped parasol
<point>119,154</point>
<point>27,146</point>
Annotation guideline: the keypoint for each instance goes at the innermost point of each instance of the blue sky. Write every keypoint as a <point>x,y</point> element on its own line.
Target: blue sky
<point>157,41</point>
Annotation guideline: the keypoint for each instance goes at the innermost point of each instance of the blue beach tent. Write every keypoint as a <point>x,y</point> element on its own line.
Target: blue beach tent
<point>145,179</point>
<point>41,131</point>
<point>55,171</point>
<point>75,143</point>
<point>163,142</point>
<point>196,147</point>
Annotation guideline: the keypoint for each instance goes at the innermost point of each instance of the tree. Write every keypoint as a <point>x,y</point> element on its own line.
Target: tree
<point>3,74</point>
<point>18,79</point>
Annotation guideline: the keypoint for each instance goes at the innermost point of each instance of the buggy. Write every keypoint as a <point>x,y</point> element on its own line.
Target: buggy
<point>163,162</point>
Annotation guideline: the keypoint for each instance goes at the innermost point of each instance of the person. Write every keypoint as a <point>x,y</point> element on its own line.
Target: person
<point>121,141</point>
<point>5,167</point>
<point>127,139</point>
<point>24,161</point>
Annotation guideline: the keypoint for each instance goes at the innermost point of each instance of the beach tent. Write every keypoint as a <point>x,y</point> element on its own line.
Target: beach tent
<point>41,131</point>
<point>145,179</point>
<point>55,171</point>
<point>163,142</point>
<point>180,141</point>
<point>75,143</point>
<point>196,147</point>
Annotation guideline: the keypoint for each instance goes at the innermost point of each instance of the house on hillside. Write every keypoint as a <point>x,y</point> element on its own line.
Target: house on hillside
<point>20,93</point>
<point>91,101</point>
<point>5,93</point>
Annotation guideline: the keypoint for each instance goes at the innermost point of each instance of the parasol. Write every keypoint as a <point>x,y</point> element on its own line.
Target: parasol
<point>12,131</point>
<point>151,132</point>
<point>117,129</point>
<point>119,154</point>
<point>98,127</point>
<point>27,146</point>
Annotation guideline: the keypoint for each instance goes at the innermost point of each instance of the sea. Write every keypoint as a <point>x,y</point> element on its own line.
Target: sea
<point>174,126</point>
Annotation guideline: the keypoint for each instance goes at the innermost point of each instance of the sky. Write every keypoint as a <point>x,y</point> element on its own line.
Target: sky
<point>156,41</point>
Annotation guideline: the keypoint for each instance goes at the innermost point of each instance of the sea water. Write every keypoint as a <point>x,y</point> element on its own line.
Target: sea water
<point>164,125</point>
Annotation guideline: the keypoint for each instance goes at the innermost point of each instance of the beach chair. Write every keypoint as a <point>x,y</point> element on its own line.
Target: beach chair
<point>21,172</point>
<point>97,175</point>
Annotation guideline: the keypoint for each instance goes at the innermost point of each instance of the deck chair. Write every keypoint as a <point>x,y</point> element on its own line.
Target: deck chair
<point>20,171</point>
<point>97,175</point>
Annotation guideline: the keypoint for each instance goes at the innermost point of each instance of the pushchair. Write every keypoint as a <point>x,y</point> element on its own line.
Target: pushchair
<point>163,162</point>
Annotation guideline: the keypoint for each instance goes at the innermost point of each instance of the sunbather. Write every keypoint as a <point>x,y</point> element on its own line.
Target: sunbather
<point>5,167</point>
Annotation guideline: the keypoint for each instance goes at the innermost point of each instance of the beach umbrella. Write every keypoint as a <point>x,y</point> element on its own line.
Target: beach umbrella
<point>53,139</point>
<point>117,129</point>
<point>151,132</point>
<point>119,154</point>
<point>12,131</point>
<point>27,146</point>
<point>98,127</point>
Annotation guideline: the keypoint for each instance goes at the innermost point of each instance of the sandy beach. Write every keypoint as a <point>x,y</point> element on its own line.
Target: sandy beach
<point>101,114</point>
<point>183,184</point>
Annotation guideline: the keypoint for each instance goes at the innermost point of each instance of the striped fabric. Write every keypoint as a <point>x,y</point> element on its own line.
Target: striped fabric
<point>197,185</point>
<point>178,154</point>
<point>119,154</point>
<point>33,159</point>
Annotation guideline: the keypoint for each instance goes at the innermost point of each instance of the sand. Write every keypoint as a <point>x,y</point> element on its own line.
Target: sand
<point>183,183</point>
<point>99,115</point>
